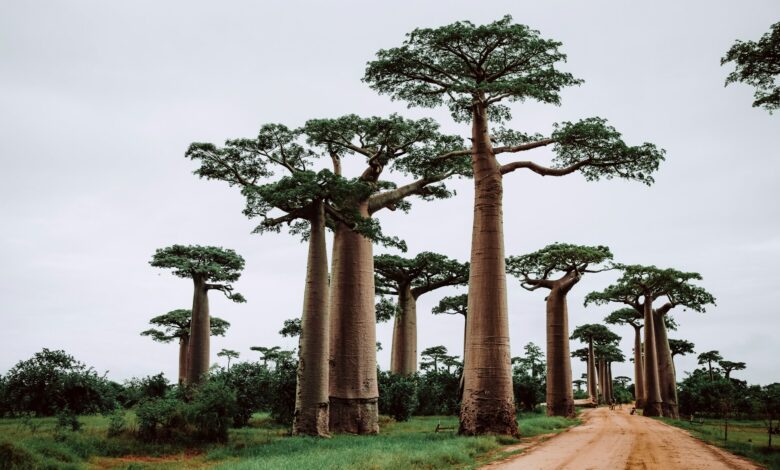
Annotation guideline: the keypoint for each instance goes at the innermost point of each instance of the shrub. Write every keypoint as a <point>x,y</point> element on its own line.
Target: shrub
<point>397,395</point>
<point>281,393</point>
<point>438,393</point>
<point>212,410</point>
<point>136,390</point>
<point>251,382</point>
<point>116,423</point>
<point>67,419</point>
<point>16,458</point>
<point>161,419</point>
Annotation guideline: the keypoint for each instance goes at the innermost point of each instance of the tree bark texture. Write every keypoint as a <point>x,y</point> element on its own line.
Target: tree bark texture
<point>353,376</point>
<point>602,385</point>
<point>639,373</point>
<point>610,384</point>
<point>667,380</point>
<point>403,355</point>
<point>652,382</point>
<point>560,397</point>
<point>200,334</point>
<point>311,399</point>
<point>488,398</point>
<point>184,351</point>
<point>592,385</point>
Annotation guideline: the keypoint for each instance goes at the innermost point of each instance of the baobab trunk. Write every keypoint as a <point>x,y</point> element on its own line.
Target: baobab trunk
<point>667,380</point>
<point>652,385</point>
<point>184,346</point>
<point>403,356</point>
<point>311,399</point>
<point>610,384</point>
<point>488,398</point>
<point>639,372</point>
<point>200,334</point>
<point>353,380</point>
<point>560,398</point>
<point>602,381</point>
<point>592,385</point>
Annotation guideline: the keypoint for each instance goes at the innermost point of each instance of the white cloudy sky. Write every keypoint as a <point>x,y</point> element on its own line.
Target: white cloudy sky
<point>99,100</point>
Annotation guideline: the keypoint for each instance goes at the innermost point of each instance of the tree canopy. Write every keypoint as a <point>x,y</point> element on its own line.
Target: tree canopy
<point>681,347</point>
<point>599,334</point>
<point>292,328</point>
<point>757,63</point>
<point>709,357</point>
<point>176,324</point>
<point>207,263</point>
<point>452,305</point>
<point>536,269</point>
<point>425,272</point>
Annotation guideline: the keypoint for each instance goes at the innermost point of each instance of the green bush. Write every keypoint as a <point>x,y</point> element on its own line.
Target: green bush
<point>212,410</point>
<point>397,395</point>
<point>282,392</point>
<point>116,423</point>
<point>16,458</point>
<point>161,419</point>
<point>251,382</point>
<point>136,390</point>
<point>438,393</point>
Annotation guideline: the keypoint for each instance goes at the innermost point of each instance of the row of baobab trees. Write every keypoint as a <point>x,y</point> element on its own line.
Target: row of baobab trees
<point>475,71</point>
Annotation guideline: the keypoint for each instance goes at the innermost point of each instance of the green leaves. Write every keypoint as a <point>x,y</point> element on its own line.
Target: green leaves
<point>758,64</point>
<point>423,273</point>
<point>557,258</point>
<point>460,63</point>
<point>680,347</point>
<point>452,305</point>
<point>652,282</point>
<point>209,263</point>
<point>599,334</point>
<point>601,151</point>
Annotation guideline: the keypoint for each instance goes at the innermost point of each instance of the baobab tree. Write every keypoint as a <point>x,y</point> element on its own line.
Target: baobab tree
<point>606,354</point>
<point>414,148</point>
<point>680,347</point>
<point>708,358</point>
<point>558,268</point>
<point>291,328</point>
<point>210,268</point>
<point>639,287</point>
<point>729,366</point>
<point>176,325</point>
<point>594,334</point>
<point>229,354</point>
<point>267,354</point>
<point>408,279</point>
<point>472,70</point>
<point>578,383</point>
<point>630,316</point>
<point>433,355</point>
<point>757,63</point>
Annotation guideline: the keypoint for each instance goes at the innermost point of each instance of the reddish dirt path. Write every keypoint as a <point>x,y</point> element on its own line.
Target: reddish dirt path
<point>616,440</point>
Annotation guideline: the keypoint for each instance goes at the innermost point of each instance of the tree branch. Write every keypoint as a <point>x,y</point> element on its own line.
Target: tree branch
<point>542,170</point>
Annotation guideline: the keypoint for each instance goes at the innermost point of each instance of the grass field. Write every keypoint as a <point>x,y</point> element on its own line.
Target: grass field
<point>746,438</point>
<point>36,443</point>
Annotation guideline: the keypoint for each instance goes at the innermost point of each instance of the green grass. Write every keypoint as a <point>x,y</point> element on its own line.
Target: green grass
<point>408,445</point>
<point>746,438</point>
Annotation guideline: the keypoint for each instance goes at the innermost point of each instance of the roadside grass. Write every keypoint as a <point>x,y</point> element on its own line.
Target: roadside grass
<point>36,443</point>
<point>746,438</point>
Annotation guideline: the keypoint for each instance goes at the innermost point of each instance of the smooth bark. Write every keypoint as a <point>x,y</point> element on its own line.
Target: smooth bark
<point>667,380</point>
<point>200,334</point>
<point>353,375</point>
<point>653,399</point>
<point>488,398</point>
<point>184,346</point>
<point>560,398</point>
<point>311,399</point>
<point>403,355</point>
<point>639,372</point>
<point>592,385</point>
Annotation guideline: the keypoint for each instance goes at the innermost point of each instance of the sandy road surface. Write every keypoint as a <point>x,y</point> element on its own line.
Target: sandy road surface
<point>617,440</point>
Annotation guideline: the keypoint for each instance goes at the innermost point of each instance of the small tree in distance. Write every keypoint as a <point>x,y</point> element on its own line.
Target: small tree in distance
<point>229,354</point>
<point>210,268</point>
<point>758,64</point>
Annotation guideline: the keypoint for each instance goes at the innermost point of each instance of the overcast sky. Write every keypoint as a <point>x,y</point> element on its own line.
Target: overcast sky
<point>99,101</point>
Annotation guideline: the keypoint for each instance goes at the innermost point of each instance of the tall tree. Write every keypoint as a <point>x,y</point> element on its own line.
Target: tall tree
<point>472,70</point>
<point>301,199</point>
<point>680,347</point>
<point>757,63</point>
<point>229,354</point>
<point>606,354</point>
<point>267,354</point>
<point>411,147</point>
<point>176,325</point>
<point>210,268</point>
<point>708,358</point>
<point>593,335</point>
<point>729,366</point>
<point>408,279</point>
<point>639,287</point>
<point>630,316</point>
<point>434,355</point>
<point>558,268</point>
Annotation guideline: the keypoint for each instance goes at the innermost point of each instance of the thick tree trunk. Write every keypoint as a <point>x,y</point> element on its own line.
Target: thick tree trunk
<point>353,379</point>
<point>639,373</point>
<point>602,385</point>
<point>184,352</point>
<point>667,380</point>
<point>560,398</point>
<point>403,355</point>
<point>311,399</point>
<point>488,398</point>
<point>610,384</point>
<point>200,334</point>
<point>652,382</point>
<point>592,385</point>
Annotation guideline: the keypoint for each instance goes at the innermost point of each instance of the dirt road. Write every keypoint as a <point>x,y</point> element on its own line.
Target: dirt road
<point>615,440</point>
